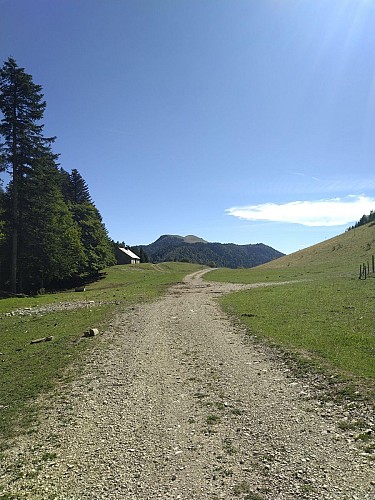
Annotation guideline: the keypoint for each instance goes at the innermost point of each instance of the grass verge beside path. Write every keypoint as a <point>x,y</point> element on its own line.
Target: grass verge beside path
<point>28,370</point>
<point>324,321</point>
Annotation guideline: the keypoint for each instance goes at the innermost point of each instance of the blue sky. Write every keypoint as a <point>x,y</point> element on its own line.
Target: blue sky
<point>238,121</point>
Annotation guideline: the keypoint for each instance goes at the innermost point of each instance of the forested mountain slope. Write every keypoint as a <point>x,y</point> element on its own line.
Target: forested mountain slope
<point>193,249</point>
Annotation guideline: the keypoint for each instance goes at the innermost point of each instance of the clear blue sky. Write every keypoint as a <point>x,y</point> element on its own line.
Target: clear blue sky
<point>238,121</point>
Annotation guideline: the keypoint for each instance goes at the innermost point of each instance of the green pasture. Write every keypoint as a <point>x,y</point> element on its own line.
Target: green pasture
<point>330,322</point>
<point>123,283</point>
<point>27,370</point>
<point>258,275</point>
<point>323,313</point>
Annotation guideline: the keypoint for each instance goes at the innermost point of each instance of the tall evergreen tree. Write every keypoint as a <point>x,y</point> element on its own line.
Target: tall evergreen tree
<point>79,190</point>
<point>50,230</point>
<point>97,245</point>
<point>2,232</point>
<point>94,237</point>
<point>22,106</point>
<point>51,249</point>
<point>2,210</point>
<point>64,183</point>
<point>143,256</point>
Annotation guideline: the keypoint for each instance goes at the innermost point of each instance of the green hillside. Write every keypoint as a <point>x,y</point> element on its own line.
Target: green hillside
<point>341,256</point>
<point>342,253</point>
<point>323,315</point>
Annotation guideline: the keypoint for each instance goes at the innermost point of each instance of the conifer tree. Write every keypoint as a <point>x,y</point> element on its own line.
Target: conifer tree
<point>94,237</point>
<point>51,249</point>
<point>65,184</point>
<point>143,256</point>
<point>79,191</point>
<point>2,210</point>
<point>2,232</point>
<point>22,107</point>
<point>50,230</point>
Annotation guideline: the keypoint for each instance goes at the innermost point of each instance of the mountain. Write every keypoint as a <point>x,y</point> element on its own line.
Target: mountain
<point>194,249</point>
<point>190,238</point>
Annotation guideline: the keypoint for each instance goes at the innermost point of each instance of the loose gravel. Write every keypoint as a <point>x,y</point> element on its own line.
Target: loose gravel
<point>176,403</point>
<point>58,307</point>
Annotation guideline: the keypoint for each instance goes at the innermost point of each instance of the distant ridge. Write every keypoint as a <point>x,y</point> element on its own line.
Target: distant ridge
<point>195,249</point>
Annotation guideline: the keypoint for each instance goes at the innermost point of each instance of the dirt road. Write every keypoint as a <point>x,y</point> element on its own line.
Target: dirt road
<point>179,405</point>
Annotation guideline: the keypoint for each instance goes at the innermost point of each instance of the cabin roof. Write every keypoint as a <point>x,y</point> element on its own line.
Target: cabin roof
<point>129,253</point>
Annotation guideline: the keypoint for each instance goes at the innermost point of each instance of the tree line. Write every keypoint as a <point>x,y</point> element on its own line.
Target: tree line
<point>51,233</point>
<point>365,219</point>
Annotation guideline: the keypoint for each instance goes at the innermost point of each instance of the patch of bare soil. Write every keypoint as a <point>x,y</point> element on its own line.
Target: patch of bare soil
<point>176,403</point>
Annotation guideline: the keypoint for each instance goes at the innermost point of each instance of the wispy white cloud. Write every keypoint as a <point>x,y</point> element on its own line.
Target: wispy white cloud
<point>331,212</point>
<point>311,177</point>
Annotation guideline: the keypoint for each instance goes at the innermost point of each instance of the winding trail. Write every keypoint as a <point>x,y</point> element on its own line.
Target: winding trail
<point>175,403</point>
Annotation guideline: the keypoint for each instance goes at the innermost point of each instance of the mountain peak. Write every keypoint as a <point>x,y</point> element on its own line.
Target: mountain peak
<point>190,238</point>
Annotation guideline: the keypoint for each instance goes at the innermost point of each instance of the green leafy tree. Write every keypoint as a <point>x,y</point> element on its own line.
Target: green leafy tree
<point>22,107</point>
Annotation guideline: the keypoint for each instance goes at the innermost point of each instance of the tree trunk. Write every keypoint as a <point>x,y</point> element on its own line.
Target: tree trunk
<point>13,274</point>
<point>14,258</point>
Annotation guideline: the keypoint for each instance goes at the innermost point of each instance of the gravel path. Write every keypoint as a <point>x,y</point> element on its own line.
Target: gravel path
<point>178,405</point>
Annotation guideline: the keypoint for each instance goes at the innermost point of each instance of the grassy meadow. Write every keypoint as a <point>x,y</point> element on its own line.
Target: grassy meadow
<point>27,370</point>
<point>324,314</point>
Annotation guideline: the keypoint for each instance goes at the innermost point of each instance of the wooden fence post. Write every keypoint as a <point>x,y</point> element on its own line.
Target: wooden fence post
<point>373,263</point>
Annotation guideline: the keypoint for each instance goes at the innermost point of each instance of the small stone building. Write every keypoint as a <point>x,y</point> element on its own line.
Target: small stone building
<point>126,256</point>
